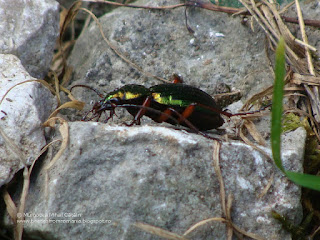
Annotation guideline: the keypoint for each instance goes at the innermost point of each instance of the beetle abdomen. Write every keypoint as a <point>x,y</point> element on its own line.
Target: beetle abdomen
<point>179,97</point>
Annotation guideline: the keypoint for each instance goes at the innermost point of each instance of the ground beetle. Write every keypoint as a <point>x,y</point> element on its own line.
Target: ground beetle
<point>174,103</point>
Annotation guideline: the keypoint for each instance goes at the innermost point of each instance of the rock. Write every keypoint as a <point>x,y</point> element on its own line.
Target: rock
<point>222,50</point>
<point>22,112</point>
<point>66,3</point>
<point>110,177</point>
<point>29,30</point>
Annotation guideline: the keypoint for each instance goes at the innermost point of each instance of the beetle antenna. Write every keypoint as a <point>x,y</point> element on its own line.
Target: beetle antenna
<point>91,88</point>
<point>252,112</point>
<point>228,114</point>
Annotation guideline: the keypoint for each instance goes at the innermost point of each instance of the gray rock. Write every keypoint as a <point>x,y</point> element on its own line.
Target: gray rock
<point>29,30</point>
<point>159,176</point>
<point>22,112</point>
<point>160,43</point>
<point>66,3</point>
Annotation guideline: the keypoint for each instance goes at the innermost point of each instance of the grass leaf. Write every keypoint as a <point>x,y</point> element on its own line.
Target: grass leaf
<point>304,180</point>
<point>280,72</point>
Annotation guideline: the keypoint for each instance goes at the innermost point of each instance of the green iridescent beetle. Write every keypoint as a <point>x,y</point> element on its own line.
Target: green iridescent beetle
<point>174,103</point>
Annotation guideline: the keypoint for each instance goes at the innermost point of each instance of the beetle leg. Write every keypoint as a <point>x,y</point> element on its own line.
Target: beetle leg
<point>134,122</point>
<point>176,78</point>
<point>85,116</point>
<point>165,115</point>
<point>93,115</point>
<point>112,112</point>
<point>143,110</point>
<point>183,118</point>
<point>187,112</point>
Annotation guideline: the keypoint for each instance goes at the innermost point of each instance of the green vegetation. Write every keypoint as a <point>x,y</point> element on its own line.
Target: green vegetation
<point>305,180</point>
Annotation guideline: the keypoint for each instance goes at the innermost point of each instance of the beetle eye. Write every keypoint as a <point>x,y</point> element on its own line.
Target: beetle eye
<point>103,105</point>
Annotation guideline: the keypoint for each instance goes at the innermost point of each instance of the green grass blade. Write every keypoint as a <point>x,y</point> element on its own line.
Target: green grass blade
<point>280,72</point>
<point>305,180</point>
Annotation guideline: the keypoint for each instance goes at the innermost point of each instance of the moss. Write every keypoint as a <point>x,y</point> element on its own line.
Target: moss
<point>291,122</point>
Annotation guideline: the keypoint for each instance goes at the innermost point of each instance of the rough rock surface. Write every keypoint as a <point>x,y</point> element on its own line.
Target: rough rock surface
<point>22,112</point>
<point>222,50</point>
<point>29,29</point>
<point>66,3</point>
<point>159,176</point>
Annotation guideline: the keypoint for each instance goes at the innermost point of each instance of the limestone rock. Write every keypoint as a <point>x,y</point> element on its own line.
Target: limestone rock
<point>110,177</point>
<point>22,112</point>
<point>29,30</point>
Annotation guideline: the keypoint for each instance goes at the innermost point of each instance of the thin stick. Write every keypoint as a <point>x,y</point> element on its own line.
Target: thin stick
<point>208,6</point>
<point>216,166</point>
<point>212,7</point>
<point>203,222</point>
<point>136,6</point>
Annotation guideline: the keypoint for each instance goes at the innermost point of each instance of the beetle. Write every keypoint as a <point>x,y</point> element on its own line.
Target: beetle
<point>174,103</point>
